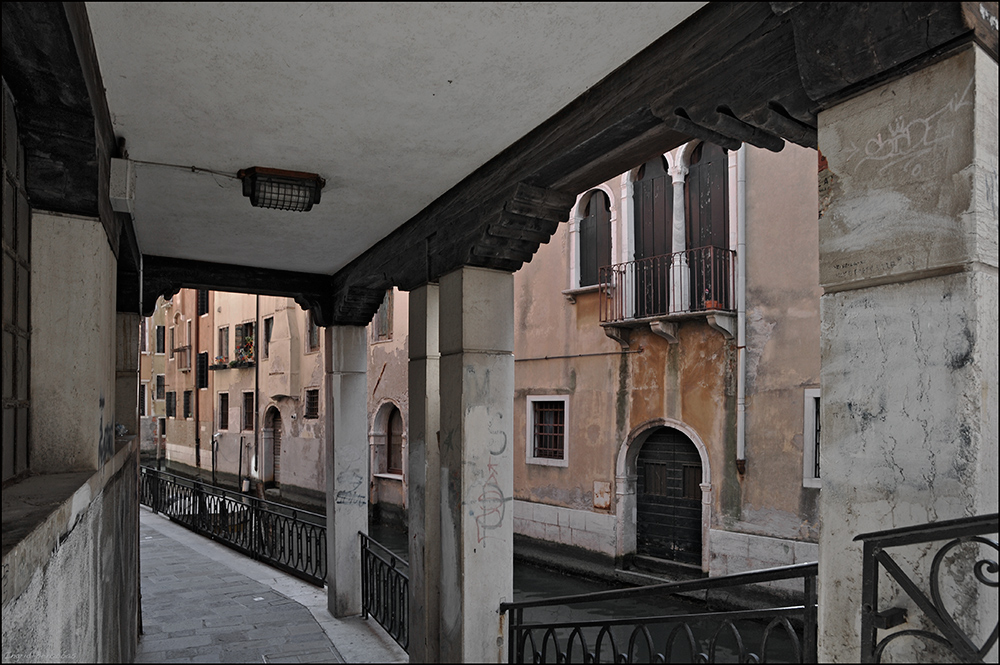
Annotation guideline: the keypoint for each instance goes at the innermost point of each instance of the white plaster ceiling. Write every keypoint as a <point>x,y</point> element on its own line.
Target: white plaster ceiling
<point>392,103</point>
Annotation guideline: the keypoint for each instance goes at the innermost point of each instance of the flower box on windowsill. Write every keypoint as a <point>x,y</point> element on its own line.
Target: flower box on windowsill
<point>234,364</point>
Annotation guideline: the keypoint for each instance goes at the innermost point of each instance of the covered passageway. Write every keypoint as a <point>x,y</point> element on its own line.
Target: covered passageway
<point>433,147</point>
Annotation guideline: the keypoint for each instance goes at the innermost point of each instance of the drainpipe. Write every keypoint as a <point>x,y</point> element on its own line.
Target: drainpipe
<point>193,361</point>
<point>741,308</point>
<point>256,398</point>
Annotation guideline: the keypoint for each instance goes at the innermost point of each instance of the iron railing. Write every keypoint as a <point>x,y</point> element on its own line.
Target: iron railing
<point>385,587</point>
<point>691,637</point>
<point>288,539</point>
<point>966,533</point>
<point>696,280</point>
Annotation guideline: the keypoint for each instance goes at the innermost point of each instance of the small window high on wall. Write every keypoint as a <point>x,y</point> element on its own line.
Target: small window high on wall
<point>595,238</point>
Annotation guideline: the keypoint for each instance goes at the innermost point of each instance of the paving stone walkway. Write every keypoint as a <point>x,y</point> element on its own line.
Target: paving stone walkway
<point>205,603</point>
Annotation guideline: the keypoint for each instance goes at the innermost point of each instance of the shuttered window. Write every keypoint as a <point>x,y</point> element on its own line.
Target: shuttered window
<point>223,410</point>
<point>595,238</point>
<point>201,370</point>
<point>16,294</point>
<point>248,412</point>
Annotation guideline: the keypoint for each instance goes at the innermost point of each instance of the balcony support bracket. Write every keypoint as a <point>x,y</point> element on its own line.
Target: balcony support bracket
<point>666,329</point>
<point>620,334</point>
<point>724,323</point>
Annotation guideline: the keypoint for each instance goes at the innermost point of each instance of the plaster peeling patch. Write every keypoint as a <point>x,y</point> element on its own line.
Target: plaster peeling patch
<point>759,332</point>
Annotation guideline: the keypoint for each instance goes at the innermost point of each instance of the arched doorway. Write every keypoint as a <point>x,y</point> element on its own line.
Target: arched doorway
<point>668,498</point>
<point>272,443</point>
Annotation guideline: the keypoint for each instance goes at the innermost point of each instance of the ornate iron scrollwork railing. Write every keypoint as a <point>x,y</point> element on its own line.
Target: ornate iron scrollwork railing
<point>749,635</point>
<point>969,530</point>
<point>385,585</point>
<point>289,539</point>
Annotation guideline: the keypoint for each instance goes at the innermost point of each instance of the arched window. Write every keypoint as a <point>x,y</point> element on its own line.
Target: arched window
<point>595,238</point>
<point>394,441</point>
<point>707,208</point>
<point>652,201</point>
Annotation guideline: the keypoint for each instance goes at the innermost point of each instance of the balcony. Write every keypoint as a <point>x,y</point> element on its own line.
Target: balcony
<point>182,356</point>
<point>689,282</point>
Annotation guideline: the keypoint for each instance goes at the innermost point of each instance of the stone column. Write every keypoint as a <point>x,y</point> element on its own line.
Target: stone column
<point>477,402</point>
<point>908,263</point>
<point>680,275</point>
<point>346,361</point>
<point>424,481</point>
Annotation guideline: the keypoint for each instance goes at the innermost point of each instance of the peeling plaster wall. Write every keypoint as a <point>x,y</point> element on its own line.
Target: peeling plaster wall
<point>73,348</point>
<point>82,604</point>
<point>388,385</point>
<point>783,295</point>
<point>909,263</point>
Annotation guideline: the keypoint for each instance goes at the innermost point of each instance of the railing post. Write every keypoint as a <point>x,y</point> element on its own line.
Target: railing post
<point>809,654</point>
<point>869,601</point>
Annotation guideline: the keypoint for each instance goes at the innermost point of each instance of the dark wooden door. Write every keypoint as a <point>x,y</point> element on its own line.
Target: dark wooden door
<point>707,204</point>
<point>668,498</point>
<point>652,199</point>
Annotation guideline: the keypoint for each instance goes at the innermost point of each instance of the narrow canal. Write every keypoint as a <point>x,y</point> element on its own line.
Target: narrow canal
<point>533,582</point>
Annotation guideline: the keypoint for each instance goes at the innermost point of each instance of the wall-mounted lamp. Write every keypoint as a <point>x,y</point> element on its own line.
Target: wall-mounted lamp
<point>283,190</point>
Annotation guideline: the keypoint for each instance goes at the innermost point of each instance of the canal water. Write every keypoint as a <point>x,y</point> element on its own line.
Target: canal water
<point>533,582</point>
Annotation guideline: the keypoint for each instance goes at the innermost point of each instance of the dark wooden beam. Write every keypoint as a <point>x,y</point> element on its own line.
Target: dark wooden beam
<point>845,48</point>
<point>165,276</point>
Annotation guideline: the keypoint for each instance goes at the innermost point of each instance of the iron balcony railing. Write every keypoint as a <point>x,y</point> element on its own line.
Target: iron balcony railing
<point>695,280</point>
<point>385,584</point>
<point>706,637</point>
<point>962,556</point>
<point>288,539</point>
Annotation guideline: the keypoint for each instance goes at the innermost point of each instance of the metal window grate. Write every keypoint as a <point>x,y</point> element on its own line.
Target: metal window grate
<point>549,430</point>
<point>312,404</point>
<point>187,403</point>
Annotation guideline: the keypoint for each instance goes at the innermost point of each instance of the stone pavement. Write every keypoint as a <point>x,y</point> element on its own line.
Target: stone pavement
<point>205,603</point>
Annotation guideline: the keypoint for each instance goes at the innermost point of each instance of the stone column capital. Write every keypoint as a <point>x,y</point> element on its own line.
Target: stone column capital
<point>678,172</point>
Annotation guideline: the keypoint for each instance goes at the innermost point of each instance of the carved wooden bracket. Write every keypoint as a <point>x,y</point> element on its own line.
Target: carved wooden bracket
<point>512,235</point>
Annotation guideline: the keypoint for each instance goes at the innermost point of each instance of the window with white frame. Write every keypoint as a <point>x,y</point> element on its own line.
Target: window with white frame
<point>546,428</point>
<point>810,439</point>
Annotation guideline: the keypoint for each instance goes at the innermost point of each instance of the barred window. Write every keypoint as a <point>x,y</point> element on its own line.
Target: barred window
<point>312,403</point>
<point>142,399</point>
<point>546,436</point>
<point>161,340</point>
<point>187,403</point>
<point>160,386</point>
<point>171,404</point>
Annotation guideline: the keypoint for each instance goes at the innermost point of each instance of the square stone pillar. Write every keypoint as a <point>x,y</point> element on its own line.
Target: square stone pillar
<point>423,477</point>
<point>908,263</point>
<point>477,471</point>
<point>346,362</point>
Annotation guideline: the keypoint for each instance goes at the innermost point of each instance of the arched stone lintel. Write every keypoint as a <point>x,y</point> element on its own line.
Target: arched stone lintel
<point>625,481</point>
